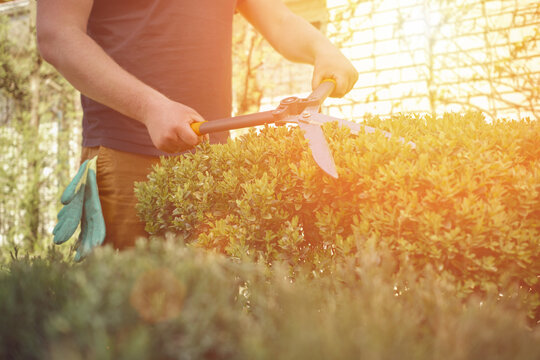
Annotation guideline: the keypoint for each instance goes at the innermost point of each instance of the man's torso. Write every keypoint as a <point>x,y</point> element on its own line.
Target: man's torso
<point>181,48</point>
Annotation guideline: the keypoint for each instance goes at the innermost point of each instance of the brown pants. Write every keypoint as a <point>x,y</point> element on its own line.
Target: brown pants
<point>117,171</point>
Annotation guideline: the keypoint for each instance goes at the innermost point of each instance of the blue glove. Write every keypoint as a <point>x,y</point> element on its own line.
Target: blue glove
<point>81,204</point>
<point>73,200</point>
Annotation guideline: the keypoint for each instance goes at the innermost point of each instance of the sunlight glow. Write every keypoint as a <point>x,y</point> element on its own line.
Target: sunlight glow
<point>410,53</point>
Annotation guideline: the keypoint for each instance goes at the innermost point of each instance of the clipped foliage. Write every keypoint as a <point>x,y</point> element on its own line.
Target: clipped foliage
<point>162,300</point>
<point>466,201</point>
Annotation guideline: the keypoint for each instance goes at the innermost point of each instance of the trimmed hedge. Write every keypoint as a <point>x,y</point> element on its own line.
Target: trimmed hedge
<point>466,201</point>
<point>162,300</point>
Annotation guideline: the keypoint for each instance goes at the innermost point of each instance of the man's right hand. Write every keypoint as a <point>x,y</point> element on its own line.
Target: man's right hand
<point>168,124</point>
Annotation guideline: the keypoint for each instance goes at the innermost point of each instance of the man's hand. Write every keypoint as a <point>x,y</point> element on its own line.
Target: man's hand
<point>331,64</point>
<point>168,124</point>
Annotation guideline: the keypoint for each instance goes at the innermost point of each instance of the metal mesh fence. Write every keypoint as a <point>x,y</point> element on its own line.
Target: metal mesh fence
<point>429,56</point>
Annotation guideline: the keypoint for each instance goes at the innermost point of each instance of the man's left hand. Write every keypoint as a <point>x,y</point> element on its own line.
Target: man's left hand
<point>330,63</point>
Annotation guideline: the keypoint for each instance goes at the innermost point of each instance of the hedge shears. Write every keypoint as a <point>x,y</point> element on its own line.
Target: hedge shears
<point>301,111</point>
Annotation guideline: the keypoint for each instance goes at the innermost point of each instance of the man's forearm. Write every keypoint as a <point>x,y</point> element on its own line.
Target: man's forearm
<point>99,77</point>
<point>291,35</point>
<point>298,41</point>
<point>63,41</point>
<point>95,74</point>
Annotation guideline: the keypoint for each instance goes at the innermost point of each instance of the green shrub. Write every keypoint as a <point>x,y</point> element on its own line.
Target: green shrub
<point>466,201</point>
<point>162,300</point>
<point>30,289</point>
<point>152,300</point>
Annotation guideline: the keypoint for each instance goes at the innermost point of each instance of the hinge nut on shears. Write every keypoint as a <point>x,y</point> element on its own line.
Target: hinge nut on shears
<point>305,117</point>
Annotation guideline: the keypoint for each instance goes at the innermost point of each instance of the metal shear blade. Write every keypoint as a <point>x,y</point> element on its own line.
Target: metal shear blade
<point>319,148</point>
<point>356,128</point>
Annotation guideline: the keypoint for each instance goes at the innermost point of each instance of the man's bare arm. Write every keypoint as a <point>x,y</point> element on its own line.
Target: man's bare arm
<point>297,40</point>
<point>63,42</point>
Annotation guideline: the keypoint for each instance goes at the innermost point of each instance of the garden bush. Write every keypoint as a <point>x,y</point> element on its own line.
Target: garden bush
<point>163,300</point>
<point>465,201</point>
<point>121,307</point>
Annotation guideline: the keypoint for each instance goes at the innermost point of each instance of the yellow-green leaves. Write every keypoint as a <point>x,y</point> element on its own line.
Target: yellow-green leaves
<point>465,201</point>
